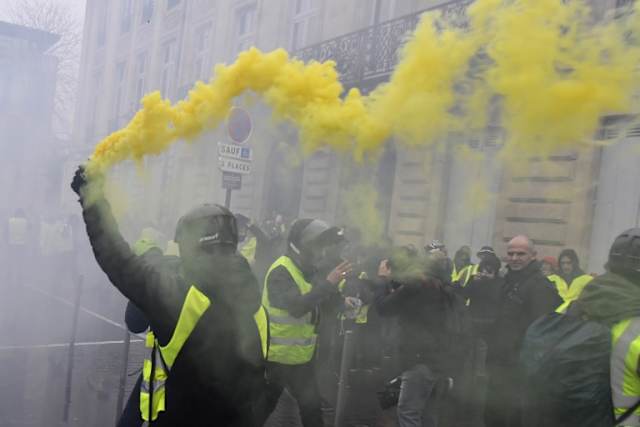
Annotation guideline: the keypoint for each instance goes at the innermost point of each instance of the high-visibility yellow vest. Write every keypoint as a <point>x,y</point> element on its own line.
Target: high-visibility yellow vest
<point>625,375</point>
<point>18,231</point>
<point>152,388</point>
<point>142,246</point>
<point>292,340</point>
<point>362,316</point>
<point>162,358</point>
<point>248,250</point>
<point>569,293</point>
<point>466,273</point>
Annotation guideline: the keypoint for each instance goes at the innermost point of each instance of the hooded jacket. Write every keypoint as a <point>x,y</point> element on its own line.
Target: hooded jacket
<point>610,298</point>
<point>218,376</point>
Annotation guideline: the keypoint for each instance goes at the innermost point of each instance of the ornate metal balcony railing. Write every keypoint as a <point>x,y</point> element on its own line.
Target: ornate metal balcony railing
<point>372,53</point>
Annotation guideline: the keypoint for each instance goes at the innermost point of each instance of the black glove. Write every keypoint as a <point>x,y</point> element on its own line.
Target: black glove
<point>79,181</point>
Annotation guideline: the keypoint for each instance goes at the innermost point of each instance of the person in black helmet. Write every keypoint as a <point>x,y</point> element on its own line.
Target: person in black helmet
<point>293,293</point>
<point>614,300</point>
<point>206,358</point>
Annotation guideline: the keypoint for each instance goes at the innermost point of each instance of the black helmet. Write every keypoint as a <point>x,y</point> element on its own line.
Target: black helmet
<point>624,256</point>
<point>207,226</point>
<point>308,237</point>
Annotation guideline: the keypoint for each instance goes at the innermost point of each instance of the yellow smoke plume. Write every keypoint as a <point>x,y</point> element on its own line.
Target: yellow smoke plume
<point>543,65</point>
<point>360,203</point>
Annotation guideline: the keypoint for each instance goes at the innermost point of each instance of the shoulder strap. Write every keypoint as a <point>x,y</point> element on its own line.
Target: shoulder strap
<point>627,413</point>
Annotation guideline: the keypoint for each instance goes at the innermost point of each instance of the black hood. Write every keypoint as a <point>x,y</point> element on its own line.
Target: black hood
<point>227,279</point>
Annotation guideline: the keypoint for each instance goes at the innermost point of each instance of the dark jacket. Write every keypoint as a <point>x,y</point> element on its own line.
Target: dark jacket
<point>421,311</point>
<point>219,374</point>
<point>525,296</point>
<point>483,295</point>
<point>134,318</point>
<point>285,294</point>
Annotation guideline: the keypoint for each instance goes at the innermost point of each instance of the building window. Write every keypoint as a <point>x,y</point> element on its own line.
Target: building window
<point>172,3</point>
<point>147,11</point>
<point>102,24</point>
<point>126,17</point>
<point>200,46</point>
<point>141,61</point>
<point>245,27</point>
<point>168,61</point>
<point>301,25</point>
<point>120,79</point>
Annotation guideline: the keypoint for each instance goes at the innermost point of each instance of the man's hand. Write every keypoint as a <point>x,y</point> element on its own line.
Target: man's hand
<point>339,273</point>
<point>79,181</point>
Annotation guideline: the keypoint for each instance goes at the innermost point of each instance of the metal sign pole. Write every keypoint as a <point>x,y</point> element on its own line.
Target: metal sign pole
<point>227,199</point>
<point>343,384</point>
<point>72,344</point>
<point>123,375</point>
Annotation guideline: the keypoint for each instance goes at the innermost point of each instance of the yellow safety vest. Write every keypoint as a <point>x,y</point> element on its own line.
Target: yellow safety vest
<point>162,358</point>
<point>625,375</point>
<point>292,340</point>
<point>152,390</point>
<point>18,231</point>
<point>466,273</point>
<point>248,250</point>
<point>362,317</point>
<point>569,293</point>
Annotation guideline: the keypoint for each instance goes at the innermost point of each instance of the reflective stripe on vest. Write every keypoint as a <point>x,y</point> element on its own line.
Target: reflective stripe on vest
<point>152,403</point>
<point>569,293</point>
<point>262,322</point>
<point>625,378</point>
<point>292,340</point>
<point>467,273</point>
<point>17,231</point>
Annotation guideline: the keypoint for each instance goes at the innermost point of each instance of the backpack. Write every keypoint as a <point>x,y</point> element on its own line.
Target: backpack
<point>566,361</point>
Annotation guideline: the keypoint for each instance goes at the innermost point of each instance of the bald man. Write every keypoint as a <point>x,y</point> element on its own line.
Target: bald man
<point>526,295</point>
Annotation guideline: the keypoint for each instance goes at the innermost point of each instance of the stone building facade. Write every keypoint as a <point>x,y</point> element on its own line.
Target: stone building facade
<point>134,47</point>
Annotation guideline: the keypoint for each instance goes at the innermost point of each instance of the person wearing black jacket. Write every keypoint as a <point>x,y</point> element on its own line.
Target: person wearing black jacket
<point>207,340</point>
<point>293,295</point>
<point>418,296</point>
<point>525,296</point>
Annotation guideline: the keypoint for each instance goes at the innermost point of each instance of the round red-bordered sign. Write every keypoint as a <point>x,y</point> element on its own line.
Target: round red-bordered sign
<point>239,125</point>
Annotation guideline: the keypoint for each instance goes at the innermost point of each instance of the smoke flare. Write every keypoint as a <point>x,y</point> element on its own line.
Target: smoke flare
<point>547,69</point>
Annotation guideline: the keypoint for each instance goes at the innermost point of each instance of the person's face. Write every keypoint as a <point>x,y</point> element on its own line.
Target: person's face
<point>546,268</point>
<point>486,274</point>
<point>464,259</point>
<point>566,265</point>
<point>519,255</point>
<point>242,233</point>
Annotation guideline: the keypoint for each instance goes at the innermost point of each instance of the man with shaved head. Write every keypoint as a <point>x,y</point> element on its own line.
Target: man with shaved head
<point>526,295</point>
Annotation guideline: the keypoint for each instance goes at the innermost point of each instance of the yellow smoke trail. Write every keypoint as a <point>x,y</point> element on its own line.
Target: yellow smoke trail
<point>360,204</point>
<point>542,64</point>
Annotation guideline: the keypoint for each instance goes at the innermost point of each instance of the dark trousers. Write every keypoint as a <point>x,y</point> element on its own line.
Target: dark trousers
<point>504,397</point>
<point>300,381</point>
<point>416,405</point>
<point>131,416</point>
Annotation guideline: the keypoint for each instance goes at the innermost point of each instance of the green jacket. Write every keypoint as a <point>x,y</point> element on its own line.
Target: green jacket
<point>610,298</point>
